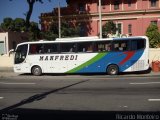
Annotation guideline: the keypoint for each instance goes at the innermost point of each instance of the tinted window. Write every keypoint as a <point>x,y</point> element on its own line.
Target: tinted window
<point>36,49</point>
<point>85,47</point>
<point>43,48</point>
<point>50,48</point>
<point>121,45</point>
<point>68,47</point>
<point>102,46</point>
<point>137,44</point>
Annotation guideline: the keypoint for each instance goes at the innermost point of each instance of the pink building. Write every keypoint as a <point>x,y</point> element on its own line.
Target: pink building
<point>132,17</point>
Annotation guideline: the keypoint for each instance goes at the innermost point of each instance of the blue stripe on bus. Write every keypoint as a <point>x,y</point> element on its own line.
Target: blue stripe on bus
<point>112,58</point>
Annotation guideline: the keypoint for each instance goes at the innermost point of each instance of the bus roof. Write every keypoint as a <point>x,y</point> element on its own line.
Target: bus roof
<point>80,39</point>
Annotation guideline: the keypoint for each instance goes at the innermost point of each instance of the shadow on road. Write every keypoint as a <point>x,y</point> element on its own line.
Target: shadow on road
<point>38,97</point>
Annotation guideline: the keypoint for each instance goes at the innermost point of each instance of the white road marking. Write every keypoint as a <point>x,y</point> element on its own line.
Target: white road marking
<point>154,100</point>
<point>144,83</point>
<point>1,97</point>
<point>7,83</point>
<point>125,106</point>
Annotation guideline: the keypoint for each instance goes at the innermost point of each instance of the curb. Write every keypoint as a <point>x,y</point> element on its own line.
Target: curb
<point>6,69</point>
<point>130,74</point>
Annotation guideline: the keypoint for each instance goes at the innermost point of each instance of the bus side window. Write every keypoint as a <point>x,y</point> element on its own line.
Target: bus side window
<point>102,46</point>
<point>137,44</point>
<point>36,49</point>
<point>85,47</point>
<point>90,48</point>
<point>121,45</point>
<point>108,47</point>
<point>50,48</point>
<point>68,47</point>
<point>32,49</point>
<point>116,46</point>
<point>40,48</point>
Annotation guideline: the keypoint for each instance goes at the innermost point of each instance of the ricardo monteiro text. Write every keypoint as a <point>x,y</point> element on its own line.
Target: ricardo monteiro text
<point>58,57</point>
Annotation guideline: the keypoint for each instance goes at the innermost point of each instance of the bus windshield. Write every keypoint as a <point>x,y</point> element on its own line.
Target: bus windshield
<point>21,53</point>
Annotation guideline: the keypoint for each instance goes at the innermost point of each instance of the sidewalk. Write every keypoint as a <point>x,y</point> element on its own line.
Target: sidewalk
<point>129,74</point>
<point>6,69</point>
<point>135,74</point>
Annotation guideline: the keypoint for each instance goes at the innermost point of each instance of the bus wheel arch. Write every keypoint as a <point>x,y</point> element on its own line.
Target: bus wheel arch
<point>112,69</point>
<point>36,70</point>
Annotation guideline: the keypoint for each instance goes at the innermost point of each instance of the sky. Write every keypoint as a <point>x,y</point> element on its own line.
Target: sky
<point>17,8</point>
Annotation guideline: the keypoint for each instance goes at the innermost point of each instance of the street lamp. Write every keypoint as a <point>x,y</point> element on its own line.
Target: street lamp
<point>59,20</point>
<point>100,20</point>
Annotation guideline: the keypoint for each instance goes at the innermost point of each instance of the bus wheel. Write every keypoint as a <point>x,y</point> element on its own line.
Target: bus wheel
<point>36,70</point>
<point>112,70</point>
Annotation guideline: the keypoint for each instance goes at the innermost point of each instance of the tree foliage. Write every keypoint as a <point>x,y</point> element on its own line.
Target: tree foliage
<point>18,25</point>
<point>30,10</point>
<point>109,28</point>
<point>7,24</point>
<point>154,36</point>
<point>67,30</point>
<point>34,31</point>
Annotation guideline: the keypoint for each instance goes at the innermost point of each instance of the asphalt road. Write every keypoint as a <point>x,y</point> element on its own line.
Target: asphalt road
<point>100,93</point>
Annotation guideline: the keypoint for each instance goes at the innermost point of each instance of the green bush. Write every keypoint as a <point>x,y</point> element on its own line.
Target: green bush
<point>154,36</point>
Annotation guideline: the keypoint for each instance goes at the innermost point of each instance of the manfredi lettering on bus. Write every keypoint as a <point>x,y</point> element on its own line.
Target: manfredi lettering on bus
<point>58,57</point>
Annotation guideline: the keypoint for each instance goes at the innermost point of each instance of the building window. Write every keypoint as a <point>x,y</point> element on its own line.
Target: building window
<point>130,29</point>
<point>81,7</point>
<point>116,4</point>
<point>129,3</point>
<point>153,3</point>
<point>154,22</point>
<point>83,30</point>
<point>103,2</point>
<point>119,28</point>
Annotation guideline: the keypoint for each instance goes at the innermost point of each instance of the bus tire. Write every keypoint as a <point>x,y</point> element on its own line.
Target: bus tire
<point>112,70</point>
<point>36,70</point>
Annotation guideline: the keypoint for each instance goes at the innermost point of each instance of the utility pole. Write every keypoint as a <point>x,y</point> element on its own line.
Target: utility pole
<point>100,20</point>
<point>59,20</point>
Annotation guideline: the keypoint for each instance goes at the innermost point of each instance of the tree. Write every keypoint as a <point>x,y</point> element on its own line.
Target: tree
<point>30,10</point>
<point>18,25</point>
<point>109,28</point>
<point>154,36</point>
<point>34,31</point>
<point>70,30</point>
<point>67,30</point>
<point>8,24</point>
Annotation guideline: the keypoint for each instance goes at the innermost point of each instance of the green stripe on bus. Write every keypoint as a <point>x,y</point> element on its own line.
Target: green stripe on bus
<point>91,61</point>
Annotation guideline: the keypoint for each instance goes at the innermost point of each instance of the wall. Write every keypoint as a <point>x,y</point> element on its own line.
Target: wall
<point>154,54</point>
<point>11,39</point>
<point>16,37</point>
<point>4,39</point>
<point>6,61</point>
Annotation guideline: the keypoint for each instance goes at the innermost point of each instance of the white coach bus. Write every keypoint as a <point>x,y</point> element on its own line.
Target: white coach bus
<point>83,55</point>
